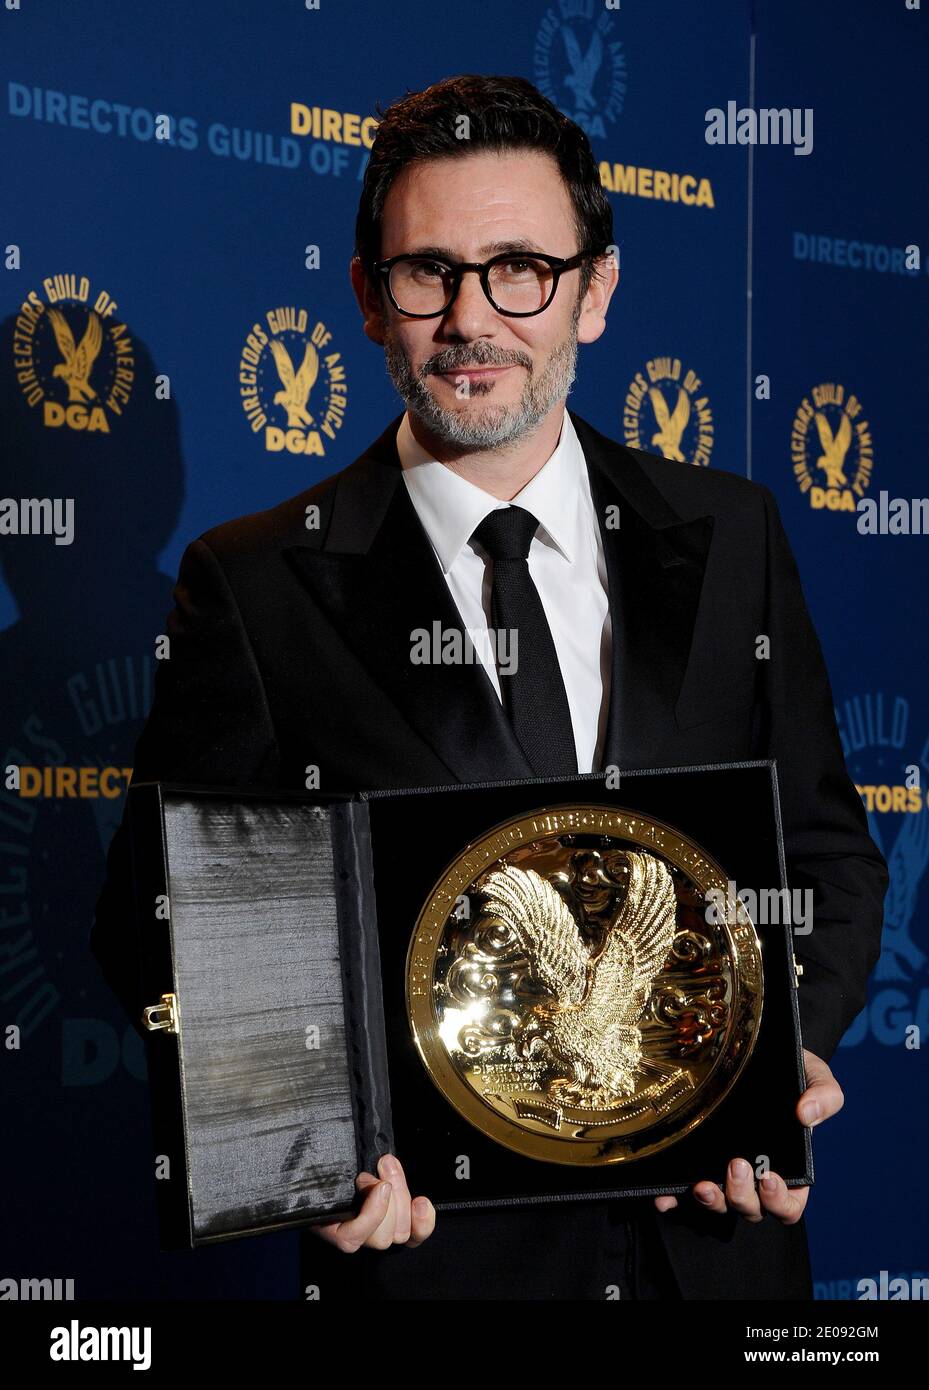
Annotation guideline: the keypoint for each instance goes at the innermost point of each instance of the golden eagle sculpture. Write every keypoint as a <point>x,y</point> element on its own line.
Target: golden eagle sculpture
<point>589,1024</point>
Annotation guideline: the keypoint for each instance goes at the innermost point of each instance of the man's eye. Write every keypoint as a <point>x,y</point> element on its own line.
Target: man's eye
<point>428,270</point>
<point>520,268</point>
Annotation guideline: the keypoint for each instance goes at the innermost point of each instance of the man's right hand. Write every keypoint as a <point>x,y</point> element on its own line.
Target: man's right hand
<point>387,1217</point>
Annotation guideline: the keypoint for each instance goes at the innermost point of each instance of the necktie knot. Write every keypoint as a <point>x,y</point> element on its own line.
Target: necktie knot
<point>506,533</point>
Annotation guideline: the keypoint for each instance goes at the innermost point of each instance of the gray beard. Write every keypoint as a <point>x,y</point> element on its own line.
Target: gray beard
<point>497,425</point>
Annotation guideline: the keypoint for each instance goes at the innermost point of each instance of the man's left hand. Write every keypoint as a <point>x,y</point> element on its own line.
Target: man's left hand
<point>822,1098</point>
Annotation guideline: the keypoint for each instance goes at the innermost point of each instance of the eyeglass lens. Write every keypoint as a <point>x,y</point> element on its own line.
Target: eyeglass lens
<point>519,284</point>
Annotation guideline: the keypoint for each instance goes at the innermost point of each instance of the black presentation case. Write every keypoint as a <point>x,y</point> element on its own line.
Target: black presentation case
<point>280,923</point>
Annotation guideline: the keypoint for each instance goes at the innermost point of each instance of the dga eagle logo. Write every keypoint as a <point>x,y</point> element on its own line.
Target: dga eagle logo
<point>72,357</point>
<point>831,448</point>
<point>667,411</point>
<point>579,64</point>
<point>291,383</point>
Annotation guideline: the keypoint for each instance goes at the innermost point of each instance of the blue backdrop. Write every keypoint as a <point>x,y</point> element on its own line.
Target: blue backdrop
<point>778,292</point>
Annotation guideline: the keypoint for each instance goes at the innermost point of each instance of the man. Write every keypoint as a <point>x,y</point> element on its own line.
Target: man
<point>480,265</point>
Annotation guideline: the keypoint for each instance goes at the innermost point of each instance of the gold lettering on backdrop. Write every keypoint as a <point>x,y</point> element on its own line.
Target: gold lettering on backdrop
<point>340,127</point>
<point>639,182</point>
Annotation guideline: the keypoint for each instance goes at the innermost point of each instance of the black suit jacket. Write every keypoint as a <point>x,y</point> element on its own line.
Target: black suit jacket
<point>290,647</point>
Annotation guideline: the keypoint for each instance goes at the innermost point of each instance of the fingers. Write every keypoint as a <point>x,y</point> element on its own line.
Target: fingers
<point>740,1190</point>
<point>414,1222</point>
<point>709,1196</point>
<point>739,1193</point>
<point>350,1235</point>
<point>772,1195</point>
<point>387,1216</point>
<point>823,1096</point>
<point>423,1220</point>
<point>390,1168</point>
<point>390,1222</point>
<point>786,1203</point>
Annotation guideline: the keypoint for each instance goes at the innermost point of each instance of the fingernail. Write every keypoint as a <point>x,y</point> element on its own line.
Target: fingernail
<point>739,1170</point>
<point>384,1193</point>
<point>390,1164</point>
<point>704,1196</point>
<point>769,1184</point>
<point>421,1205</point>
<point>812,1114</point>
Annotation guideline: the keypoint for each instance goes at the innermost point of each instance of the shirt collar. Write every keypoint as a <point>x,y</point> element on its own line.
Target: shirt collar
<point>450,507</point>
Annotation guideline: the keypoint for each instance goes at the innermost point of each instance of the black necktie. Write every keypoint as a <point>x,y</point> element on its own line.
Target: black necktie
<point>534,696</point>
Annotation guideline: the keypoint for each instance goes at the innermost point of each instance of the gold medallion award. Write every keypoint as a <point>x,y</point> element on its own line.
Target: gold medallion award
<point>567,992</point>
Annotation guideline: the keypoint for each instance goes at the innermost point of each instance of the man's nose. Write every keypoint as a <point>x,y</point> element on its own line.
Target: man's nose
<point>472,315</point>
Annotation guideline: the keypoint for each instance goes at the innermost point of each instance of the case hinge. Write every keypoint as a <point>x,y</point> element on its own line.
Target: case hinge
<point>163,1016</point>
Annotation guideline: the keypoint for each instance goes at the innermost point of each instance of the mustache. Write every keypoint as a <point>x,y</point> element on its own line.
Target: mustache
<point>451,360</point>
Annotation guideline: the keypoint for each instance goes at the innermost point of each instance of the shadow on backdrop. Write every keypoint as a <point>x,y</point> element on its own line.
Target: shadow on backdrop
<point>77,668</point>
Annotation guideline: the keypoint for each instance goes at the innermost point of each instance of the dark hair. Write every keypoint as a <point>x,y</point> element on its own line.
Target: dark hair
<point>506,113</point>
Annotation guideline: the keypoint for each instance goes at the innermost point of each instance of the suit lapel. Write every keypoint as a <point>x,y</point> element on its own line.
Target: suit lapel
<point>655,567</point>
<point>376,577</point>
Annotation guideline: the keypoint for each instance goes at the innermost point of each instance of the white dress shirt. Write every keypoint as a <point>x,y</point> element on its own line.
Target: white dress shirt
<point>566,564</point>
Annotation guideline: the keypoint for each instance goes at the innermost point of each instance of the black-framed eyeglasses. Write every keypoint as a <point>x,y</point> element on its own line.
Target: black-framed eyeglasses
<point>517,284</point>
